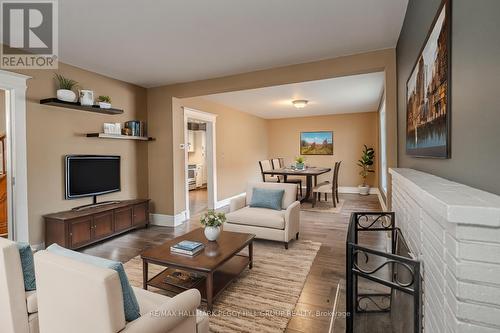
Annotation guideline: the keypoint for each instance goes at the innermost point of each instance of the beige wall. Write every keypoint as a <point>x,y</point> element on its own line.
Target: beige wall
<point>241,141</point>
<point>53,132</point>
<point>168,120</point>
<point>350,132</point>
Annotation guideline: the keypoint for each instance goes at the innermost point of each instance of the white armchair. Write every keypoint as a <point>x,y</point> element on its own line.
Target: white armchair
<point>80,298</point>
<point>277,225</point>
<point>18,308</point>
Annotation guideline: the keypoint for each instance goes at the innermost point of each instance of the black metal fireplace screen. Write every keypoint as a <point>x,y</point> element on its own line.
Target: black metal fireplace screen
<point>383,284</point>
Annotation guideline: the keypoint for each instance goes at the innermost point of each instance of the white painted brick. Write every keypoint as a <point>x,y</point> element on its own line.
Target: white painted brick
<point>455,230</point>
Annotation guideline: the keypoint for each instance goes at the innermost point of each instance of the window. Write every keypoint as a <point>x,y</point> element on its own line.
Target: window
<point>383,148</point>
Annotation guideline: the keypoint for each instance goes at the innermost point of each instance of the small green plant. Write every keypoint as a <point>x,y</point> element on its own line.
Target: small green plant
<point>212,218</point>
<point>103,98</point>
<point>366,163</point>
<point>65,83</point>
<point>300,159</point>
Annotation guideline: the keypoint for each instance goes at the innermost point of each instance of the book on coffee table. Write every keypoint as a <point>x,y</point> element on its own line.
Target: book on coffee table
<point>187,247</point>
<point>182,279</point>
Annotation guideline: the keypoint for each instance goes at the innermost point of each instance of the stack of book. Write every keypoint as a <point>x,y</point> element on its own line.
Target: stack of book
<point>137,128</point>
<point>187,247</point>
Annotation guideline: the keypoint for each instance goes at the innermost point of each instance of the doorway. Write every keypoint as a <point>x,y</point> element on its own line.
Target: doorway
<point>197,166</point>
<point>199,129</point>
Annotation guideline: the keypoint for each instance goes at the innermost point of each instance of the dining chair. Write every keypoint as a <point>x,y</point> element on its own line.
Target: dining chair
<point>279,163</point>
<point>267,165</point>
<point>327,187</point>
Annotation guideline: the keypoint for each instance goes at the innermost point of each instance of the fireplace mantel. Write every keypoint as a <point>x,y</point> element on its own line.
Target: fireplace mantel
<point>454,230</point>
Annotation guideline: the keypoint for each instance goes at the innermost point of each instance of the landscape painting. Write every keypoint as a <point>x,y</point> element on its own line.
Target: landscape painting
<point>316,143</point>
<point>428,93</point>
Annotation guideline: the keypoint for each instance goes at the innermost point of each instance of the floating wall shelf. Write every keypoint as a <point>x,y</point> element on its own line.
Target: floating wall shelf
<point>119,137</point>
<point>78,106</point>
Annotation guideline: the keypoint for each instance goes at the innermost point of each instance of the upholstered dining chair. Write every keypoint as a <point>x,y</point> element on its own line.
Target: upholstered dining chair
<point>279,163</point>
<point>327,187</point>
<point>267,165</point>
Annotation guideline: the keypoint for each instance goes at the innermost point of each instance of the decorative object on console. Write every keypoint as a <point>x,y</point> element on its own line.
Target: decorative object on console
<point>212,221</point>
<point>366,164</point>
<point>112,128</point>
<point>104,102</point>
<point>299,163</point>
<point>65,92</point>
<point>316,143</point>
<point>428,92</point>
<point>86,97</point>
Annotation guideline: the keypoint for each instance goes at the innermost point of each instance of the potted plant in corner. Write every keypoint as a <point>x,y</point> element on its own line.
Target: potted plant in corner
<point>366,164</point>
<point>299,162</point>
<point>212,221</point>
<point>104,102</point>
<point>65,92</point>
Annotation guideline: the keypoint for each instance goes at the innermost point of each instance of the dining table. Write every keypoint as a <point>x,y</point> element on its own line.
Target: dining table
<point>311,174</point>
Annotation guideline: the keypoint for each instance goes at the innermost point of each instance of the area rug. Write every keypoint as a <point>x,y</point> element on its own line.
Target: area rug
<point>323,206</point>
<point>263,298</point>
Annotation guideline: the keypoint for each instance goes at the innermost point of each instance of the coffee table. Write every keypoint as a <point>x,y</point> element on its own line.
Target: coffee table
<point>219,262</point>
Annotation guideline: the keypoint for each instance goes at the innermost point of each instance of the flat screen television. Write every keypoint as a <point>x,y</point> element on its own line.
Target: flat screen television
<point>91,175</point>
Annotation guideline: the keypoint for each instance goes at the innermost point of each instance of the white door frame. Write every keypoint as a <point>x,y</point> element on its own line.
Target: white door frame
<point>210,119</point>
<point>17,175</point>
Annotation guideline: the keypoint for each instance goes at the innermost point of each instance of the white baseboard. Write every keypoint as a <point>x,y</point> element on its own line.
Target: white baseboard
<point>225,202</point>
<point>354,190</point>
<point>168,220</point>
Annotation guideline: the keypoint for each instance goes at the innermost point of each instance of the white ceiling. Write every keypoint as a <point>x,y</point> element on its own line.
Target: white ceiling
<point>153,42</point>
<point>348,94</point>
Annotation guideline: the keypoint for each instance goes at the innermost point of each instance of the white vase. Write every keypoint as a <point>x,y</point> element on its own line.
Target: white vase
<point>364,190</point>
<point>66,95</point>
<point>104,105</point>
<point>212,233</point>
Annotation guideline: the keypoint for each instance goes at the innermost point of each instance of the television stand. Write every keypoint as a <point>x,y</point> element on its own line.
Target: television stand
<point>74,229</point>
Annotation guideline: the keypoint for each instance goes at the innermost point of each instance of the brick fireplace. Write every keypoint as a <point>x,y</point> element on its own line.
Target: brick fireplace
<point>455,231</point>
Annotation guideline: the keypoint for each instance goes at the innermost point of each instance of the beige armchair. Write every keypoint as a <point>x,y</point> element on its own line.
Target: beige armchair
<point>18,308</point>
<point>277,225</point>
<point>79,298</point>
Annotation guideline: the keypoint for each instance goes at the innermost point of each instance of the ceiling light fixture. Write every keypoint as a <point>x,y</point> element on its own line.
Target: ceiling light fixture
<point>300,103</point>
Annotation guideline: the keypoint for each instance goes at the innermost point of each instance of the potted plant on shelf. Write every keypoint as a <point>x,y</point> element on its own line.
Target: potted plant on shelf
<point>65,92</point>
<point>212,221</point>
<point>299,162</point>
<point>366,164</point>
<point>104,102</point>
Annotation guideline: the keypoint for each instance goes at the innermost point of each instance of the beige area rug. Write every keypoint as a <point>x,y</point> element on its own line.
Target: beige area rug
<point>263,298</point>
<point>323,206</point>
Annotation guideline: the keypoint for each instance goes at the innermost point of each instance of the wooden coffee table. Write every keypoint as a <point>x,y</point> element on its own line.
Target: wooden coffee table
<point>219,263</point>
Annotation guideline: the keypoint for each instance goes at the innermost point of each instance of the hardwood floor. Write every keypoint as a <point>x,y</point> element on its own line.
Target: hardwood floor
<point>328,268</point>
<point>198,201</point>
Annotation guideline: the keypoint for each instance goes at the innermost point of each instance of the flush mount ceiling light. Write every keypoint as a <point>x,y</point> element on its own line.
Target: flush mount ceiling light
<point>300,103</point>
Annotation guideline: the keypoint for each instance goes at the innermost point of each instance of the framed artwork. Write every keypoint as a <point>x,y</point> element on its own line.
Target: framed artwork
<point>316,143</point>
<point>428,110</point>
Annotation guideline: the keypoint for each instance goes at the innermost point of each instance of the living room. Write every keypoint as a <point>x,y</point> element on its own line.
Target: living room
<point>351,66</point>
